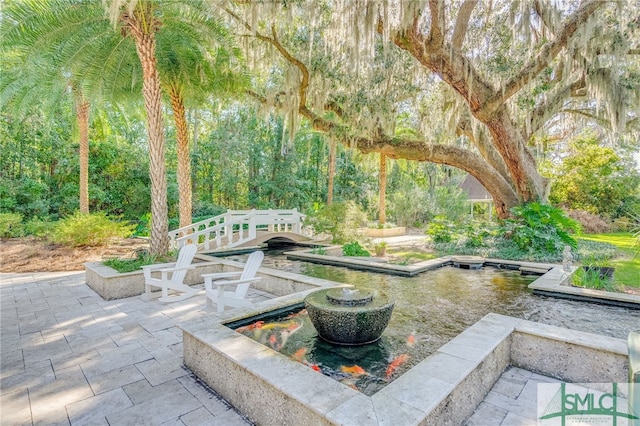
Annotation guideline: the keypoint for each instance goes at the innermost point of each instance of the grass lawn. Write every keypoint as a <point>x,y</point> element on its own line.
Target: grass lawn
<point>627,268</point>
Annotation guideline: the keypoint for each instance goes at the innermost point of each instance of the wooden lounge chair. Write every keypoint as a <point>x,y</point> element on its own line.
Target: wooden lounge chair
<point>172,276</point>
<point>236,298</point>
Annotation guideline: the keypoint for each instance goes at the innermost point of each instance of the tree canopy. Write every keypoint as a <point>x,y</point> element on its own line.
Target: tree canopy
<point>485,87</point>
<point>478,80</point>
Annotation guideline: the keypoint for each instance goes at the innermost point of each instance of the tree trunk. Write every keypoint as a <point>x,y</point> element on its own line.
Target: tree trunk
<point>142,27</point>
<point>184,160</point>
<point>333,148</point>
<point>382,202</point>
<point>82,115</point>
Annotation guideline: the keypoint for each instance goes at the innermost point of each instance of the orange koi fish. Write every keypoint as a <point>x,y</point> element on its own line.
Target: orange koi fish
<point>299,354</point>
<point>393,365</point>
<point>315,367</point>
<point>273,342</point>
<point>297,314</point>
<point>411,340</point>
<point>355,370</point>
<point>257,324</point>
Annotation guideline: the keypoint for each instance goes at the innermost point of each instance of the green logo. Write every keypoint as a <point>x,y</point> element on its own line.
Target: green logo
<point>581,405</point>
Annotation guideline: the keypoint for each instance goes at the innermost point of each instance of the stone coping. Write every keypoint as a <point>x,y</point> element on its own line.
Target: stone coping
<point>111,284</point>
<point>552,282</point>
<point>445,388</point>
<point>383,232</point>
<point>556,283</point>
<point>372,264</point>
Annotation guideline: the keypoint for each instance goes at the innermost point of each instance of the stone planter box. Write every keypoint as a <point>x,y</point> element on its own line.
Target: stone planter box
<point>111,284</point>
<point>384,232</point>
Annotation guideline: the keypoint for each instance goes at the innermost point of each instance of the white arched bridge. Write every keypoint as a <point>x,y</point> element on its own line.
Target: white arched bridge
<point>241,228</point>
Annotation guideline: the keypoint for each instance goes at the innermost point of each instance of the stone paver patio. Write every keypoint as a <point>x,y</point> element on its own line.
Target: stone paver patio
<point>69,357</point>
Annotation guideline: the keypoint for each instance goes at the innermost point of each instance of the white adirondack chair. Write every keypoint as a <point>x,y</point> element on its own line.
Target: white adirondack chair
<point>172,276</point>
<point>238,297</point>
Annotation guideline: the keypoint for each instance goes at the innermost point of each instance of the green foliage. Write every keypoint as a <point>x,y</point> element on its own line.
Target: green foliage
<point>540,227</point>
<point>594,178</point>
<point>354,249</point>
<point>475,235</point>
<point>412,205</point>
<point>591,277</point>
<point>441,230</point>
<point>636,234</point>
<point>319,250</point>
<point>594,251</point>
<point>10,224</point>
<point>470,235</point>
<point>142,258</point>
<point>88,230</point>
<point>39,228</point>
<point>624,257</point>
<point>340,219</point>
<point>380,248</point>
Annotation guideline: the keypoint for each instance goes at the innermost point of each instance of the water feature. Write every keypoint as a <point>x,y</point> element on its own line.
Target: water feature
<point>449,300</point>
<point>430,310</point>
<point>345,316</point>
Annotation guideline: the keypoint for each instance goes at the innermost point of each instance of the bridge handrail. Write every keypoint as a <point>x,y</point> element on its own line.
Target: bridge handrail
<point>206,222</point>
<point>221,229</point>
<point>273,220</point>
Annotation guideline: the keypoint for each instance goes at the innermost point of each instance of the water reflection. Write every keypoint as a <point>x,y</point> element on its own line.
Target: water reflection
<point>430,310</point>
<point>448,300</point>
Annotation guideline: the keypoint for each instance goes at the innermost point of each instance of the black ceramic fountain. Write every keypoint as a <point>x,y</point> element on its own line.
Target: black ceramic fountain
<point>346,316</point>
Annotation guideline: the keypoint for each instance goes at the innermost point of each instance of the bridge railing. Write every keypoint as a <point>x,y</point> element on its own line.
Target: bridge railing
<point>235,227</point>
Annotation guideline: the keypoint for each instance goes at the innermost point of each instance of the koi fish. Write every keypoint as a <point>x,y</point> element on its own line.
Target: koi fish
<point>257,324</point>
<point>273,342</point>
<point>315,367</point>
<point>299,354</point>
<point>393,365</point>
<point>297,314</point>
<point>273,325</point>
<point>355,370</point>
<point>411,340</point>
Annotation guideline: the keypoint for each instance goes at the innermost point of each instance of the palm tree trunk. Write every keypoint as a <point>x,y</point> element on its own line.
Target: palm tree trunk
<point>82,115</point>
<point>382,202</point>
<point>184,160</point>
<point>333,147</point>
<point>141,24</point>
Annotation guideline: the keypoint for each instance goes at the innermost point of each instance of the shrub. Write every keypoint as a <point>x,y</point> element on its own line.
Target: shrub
<point>540,227</point>
<point>591,277</point>
<point>354,249</point>
<point>340,219</point>
<point>88,230</point>
<point>589,222</point>
<point>142,258</point>
<point>10,225</point>
<point>595,251</point>
<point>319,250</point>
<point>37,227</point>
<point>476,234</point>
<point>441,230</point>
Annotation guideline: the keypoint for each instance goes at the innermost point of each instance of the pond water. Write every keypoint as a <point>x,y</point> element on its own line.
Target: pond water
<point>431,309</point>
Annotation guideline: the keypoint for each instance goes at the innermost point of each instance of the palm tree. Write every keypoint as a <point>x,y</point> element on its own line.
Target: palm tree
<point>105,65</point>
<point>53,46</point>
<point>183,68</point>
<point>138,20</point>
<point>192,68</point>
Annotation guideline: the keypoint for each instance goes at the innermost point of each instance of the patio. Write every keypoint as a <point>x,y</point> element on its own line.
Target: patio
<point>69,357</point>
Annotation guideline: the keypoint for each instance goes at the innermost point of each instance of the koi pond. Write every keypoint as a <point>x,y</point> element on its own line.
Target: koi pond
<point>430,309</point>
